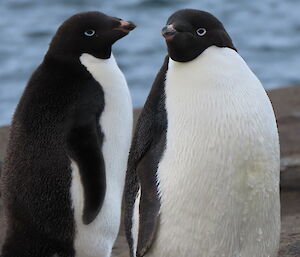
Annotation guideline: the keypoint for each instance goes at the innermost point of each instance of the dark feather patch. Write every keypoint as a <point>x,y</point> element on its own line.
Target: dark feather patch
<point>85,148</point>
<point>147,147</point>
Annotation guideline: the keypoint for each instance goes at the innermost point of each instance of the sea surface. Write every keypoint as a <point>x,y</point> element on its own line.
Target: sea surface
<point>266,33</point>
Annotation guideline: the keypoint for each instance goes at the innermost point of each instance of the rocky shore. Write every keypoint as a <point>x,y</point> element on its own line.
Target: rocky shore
<point>286,102</point>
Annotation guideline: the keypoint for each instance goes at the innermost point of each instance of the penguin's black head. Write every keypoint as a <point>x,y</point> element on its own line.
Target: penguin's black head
<point>88,32</point>
<point>189,32</point>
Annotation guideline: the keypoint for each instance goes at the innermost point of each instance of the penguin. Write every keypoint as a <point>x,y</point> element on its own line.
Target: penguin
<point>64,173</point>
<point>203,169</point>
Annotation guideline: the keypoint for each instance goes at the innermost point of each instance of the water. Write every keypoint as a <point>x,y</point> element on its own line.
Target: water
<point>266,33</point>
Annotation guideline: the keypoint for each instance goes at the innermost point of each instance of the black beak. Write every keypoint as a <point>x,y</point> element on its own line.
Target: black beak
<point>168,31</point>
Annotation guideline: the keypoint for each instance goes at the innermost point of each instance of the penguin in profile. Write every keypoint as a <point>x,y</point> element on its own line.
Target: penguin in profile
<point>65,168</point>
<point>203,169</point>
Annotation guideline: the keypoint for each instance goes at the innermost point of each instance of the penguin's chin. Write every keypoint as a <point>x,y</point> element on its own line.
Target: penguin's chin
<point>179,54</point>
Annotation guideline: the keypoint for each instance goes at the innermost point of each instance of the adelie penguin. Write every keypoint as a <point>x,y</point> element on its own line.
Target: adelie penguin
<point>65,169</point>
<point>203,170</point>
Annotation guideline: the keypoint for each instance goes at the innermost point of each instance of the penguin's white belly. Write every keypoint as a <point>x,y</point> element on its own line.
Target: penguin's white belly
<point>97,238</point>
<point>219,175</point>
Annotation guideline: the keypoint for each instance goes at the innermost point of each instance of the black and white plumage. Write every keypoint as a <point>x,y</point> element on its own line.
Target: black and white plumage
<point>203,178</point>
<point>64,172</point>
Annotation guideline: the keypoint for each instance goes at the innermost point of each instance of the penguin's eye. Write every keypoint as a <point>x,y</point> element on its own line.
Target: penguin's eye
<point>201,31</point>
<point>90,32</point>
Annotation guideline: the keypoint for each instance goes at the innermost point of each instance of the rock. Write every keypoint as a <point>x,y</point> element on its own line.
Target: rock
<point>286,102</point>
<point>290,172</point>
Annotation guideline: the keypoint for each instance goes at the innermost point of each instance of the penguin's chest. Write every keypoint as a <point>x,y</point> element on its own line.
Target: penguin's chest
<point>221,150</point>
<point>116,125</point>
<point>203,151</point>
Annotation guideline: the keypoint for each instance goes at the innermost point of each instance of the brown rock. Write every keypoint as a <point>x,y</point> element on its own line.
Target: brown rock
<point>286,103</point>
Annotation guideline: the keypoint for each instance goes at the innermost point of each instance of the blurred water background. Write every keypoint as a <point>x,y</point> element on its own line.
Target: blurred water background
<point>266,33</point>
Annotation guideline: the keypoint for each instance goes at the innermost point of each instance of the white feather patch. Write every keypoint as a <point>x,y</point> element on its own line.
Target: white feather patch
<point>97,238</point>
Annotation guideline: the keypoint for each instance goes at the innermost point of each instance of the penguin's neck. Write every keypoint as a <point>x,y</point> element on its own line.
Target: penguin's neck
<point>216,70</point>
<point>214,61</point>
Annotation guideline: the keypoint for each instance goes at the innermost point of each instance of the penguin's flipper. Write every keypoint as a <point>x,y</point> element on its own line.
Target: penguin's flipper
<point>143,161</point>
<point>149,206</point>
<point>85,149</point>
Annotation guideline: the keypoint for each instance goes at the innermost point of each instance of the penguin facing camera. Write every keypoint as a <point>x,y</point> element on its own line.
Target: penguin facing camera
<point>203,169</point>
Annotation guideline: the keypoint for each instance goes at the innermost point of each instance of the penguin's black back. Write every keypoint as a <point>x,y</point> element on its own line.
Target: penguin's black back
<point>36,178</point>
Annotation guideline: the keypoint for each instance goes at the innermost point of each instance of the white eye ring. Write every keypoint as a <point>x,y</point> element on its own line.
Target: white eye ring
<point>90,32</point>
<point>201,31</point>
